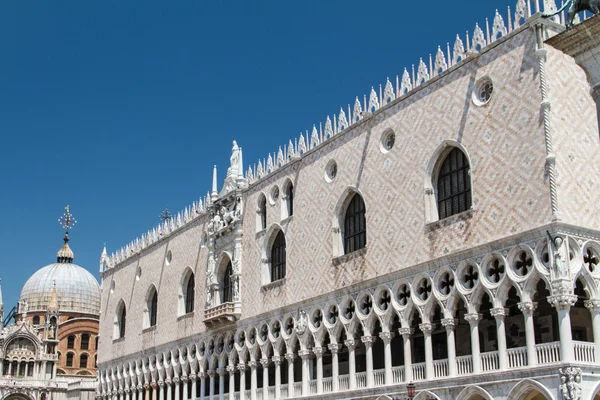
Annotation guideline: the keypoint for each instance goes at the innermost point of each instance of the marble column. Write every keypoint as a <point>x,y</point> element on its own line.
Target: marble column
<point>406,341</point>
<point>154,390</point>
<point>290,359</point>
<point>231,370</point>
<point>221,372</point>
<point>334,348</point>
<point>265,387</point>
<point>277,361</point>
<point>176,382</point>
<point>161,390</point>
<point>594,307</point>
<point>473,320</point>
<point>318,351</point>
<point>211,385</point>
<point>499,314</point>
<point>427,328</point>
<point>527,309</point>
<point>253,379</point>
<point>242,369</point>
<point>202,376</point>
<point>184,384</point>
<point>386,337</point>
<point>563,304</point>
<point>351,345</point>
<point>169,384</point>
<point>368,342</point>
<point>450,325</point>
<point>305,356</point>
<point>193,378</point>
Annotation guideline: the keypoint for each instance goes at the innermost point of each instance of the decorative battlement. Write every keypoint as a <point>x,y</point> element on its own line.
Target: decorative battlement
<point>411,80</point>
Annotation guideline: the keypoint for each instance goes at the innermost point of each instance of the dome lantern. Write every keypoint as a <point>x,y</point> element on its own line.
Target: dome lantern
<point>65,254</point>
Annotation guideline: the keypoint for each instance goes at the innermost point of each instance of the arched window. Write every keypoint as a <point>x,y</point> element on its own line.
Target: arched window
<point>152,307</point>
<point>71,342</point>
<point>83,360</point>
<point>355,225</point>
<point>287,209</point>
<point>278,257</point>
<point>262,213</point>
<point>454,185</point>
<point>69,360</point>
<point>85,342</point>
<point>36,320</point>
<point>190,294</point>
<point>96,343</point>
<point>121,321</point>
<point>228,284</point>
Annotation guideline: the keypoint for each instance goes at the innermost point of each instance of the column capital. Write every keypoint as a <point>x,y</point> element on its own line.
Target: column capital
<point>334,348</point>
<point>221,371</point>
<point>290,357</point>
<point>592,305</point>
<point>449,324</point>
<point>201,374</point>
<point>212,373</point>
<point>426,327</point>
<point>386,336</point>
<point>368,340</point>
<point>562,302</point>
<point>252,364</point>
<point>147,386</point>
<point>304,354</point>
<point>193,377</point>
<point>161,384</point>
<point>350,344</point>
<point>318,351</point>
<point>406,331</point>
<point>175,379</point>
<point>499,313</point>
<point>242,367</point>
<point>184,379</point>
<point>231,369</point>
<point>277,360</point>
<point>153,385</point>
<point>527,307</point>
<point>473,318</point>
<point>265,362</point>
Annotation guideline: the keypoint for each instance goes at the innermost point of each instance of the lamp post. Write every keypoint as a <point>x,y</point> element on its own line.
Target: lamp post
<point>410,388</point>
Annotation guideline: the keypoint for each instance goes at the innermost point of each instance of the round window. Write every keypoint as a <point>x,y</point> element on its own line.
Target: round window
<point>274,194</point>
<point>387,141</point>
<point>331,171</point>
<point>483,91</point>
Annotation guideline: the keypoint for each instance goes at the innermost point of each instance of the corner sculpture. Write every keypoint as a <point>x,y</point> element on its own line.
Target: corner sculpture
<point>577,6</point>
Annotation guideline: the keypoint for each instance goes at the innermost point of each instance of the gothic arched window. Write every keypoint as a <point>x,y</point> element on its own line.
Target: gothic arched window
<point>289,199</point>
<point>122,322</point>
<point>152,308</point>
<point>71,342</point>
<point>454,185</point>
<point>189,294</point>
<point>83,361</point>
<point>355,225</point>
<point>85,342</point>
<point>278,258</point>
<point>69,360</point>
<point>262,212</point>
<point>228,284</point>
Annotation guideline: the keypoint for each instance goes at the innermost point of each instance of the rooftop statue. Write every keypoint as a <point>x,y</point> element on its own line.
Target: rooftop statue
<point>577,6</point>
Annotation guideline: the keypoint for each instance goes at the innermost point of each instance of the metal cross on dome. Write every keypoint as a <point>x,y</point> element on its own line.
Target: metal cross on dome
<point>66,220</point>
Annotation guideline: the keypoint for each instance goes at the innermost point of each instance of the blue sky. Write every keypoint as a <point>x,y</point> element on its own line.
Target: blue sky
<point>120,107</point>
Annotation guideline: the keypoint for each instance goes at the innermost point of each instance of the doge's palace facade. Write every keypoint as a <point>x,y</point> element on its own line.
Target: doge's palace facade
<point>443,230</point>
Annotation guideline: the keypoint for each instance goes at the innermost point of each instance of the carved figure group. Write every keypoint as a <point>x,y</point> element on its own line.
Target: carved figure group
<point>570,383</point>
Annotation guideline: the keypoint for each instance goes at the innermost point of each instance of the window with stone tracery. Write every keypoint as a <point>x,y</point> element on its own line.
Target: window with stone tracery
<point>190,294</point>
<point>355,225</point>
<point>278,258</point>
<point>454,185</point>
<point>120,321</point>
<point>227,294</point>
<point>262,213</point>
<point>152,308</point>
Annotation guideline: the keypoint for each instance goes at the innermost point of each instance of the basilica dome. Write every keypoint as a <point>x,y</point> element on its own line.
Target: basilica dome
<point>76,289</point>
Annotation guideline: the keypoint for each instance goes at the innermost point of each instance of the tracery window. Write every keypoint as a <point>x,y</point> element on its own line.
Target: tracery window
<point>83,361</point>
<point>121,321</point>
<point>228,284</point>
<point>355,225</point>
<point>454,185</point>
<point>71,342</point>
<point>190,294</point>
<point>262,212</point>
<point>152,308</point>
<point>69,360</point>
<point>278,258</point>
<point>289,198</point>
<point>85,341</point>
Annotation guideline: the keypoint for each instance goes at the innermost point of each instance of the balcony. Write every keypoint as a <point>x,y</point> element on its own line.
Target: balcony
<point>222,314</point>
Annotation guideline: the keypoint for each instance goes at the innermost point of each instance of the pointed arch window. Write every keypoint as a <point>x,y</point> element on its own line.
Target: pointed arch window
<point>83,361</point>
<point>355,225</point>
<point>71,342</point>
<point>262,212</point>
<point>228,284</point>
<point>153,308</point>
<point>454,185</point>
<point>190,294</point>
<point>278,258</point>
<point>289,199</point>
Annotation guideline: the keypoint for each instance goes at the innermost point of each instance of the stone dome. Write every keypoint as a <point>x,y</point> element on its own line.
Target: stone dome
<point>76,289</point>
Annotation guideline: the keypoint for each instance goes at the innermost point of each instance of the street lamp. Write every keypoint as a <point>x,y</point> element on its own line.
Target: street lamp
<point>410,388</point>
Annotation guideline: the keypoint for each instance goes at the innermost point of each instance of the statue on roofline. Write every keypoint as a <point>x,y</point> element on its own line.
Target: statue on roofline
<point>577,6</point>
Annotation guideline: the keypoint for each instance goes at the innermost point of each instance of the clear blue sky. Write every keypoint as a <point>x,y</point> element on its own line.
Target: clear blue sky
<point>120,107</point>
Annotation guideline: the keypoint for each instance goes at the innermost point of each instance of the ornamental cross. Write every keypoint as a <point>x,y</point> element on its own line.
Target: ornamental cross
<point>66,220</point>
<point>403,295</point>
<point>384,300</point>
<point>496,271</point>
<point>424,290</point>
<point>524,263</point>
<point>350,310</point>
<point>317,318</point>
<point>332,315</point>
<point>590,260</point>
<point>289,326</point>
<point>446,283</point>
<point>471,277</point>
<point>367,305</point>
